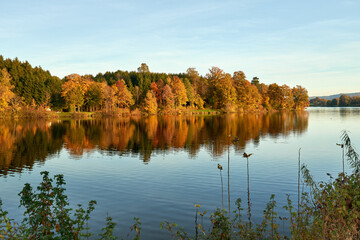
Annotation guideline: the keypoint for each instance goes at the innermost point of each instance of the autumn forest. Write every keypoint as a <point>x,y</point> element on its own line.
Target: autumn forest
<point>342,101</point>
<point>24,88</point>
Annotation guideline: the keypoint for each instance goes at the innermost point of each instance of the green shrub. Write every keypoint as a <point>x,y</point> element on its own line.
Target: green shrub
<point>47,214</point>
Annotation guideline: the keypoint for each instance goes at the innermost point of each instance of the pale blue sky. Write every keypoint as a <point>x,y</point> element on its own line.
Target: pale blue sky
<point>312,43</point>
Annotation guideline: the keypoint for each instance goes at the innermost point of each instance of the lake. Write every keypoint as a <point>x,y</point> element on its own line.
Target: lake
<point>157,168</point>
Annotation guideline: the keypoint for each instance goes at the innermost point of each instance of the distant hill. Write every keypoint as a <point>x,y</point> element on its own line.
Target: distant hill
<point>330,97</point>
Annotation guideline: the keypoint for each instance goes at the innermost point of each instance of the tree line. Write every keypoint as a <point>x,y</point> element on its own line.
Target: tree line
<point>23,85</point>
<point>342,101</point>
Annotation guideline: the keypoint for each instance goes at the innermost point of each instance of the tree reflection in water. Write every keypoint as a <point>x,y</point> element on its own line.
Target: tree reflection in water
<point>24,143</point>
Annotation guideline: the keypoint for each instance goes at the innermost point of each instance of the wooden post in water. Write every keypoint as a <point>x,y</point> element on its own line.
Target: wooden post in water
<point>343,162</point>
<point>229,179</point>
<point>298,188</point>
<point>222,187</point>
<point>248,189</point>
<point>245,155</point>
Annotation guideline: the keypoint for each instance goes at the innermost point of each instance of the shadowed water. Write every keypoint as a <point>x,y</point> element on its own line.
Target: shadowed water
<point>157,168</point>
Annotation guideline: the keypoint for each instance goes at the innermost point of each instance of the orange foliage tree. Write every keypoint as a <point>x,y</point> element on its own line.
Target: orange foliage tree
<point>167,97</point>
<point>249,97</point>
<point>109,95</point>
<point>123,97</point>
<point>222,93</point>
<point>157,92</point>
<point>263,90</point>
<point>275,96</point>
<point>280,97</point>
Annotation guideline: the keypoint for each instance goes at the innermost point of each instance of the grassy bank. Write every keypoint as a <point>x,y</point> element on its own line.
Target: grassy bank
<point>173,112</point>
<point>33,112</point>
<point>41,114</point>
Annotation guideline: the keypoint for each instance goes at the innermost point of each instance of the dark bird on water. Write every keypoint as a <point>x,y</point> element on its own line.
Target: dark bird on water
<point>245,155</point>
<point>219,167</point>
<point>341,145</point>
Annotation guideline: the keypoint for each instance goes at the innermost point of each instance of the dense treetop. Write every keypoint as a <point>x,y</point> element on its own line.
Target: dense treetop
<point>24,85</point>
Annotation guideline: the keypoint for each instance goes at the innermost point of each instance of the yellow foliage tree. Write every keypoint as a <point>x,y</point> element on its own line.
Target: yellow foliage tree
<point>222,92</point>
<point>249,97</point>
<point>74,89</point>
<point>150,103</point>
<point>109,95</point>
<point>301,97</point>
<point>179,91</point>
<point>5,89</point>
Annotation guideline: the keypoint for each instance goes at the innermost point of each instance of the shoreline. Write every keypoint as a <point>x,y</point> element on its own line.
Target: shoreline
<point>38,114</point>
<point>118,113</point>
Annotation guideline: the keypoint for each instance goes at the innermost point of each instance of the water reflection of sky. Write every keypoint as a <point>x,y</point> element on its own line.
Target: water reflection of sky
<point>183,171</point>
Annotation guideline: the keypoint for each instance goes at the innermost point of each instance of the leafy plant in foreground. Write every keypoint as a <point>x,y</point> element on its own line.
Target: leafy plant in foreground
<point>47,215</point>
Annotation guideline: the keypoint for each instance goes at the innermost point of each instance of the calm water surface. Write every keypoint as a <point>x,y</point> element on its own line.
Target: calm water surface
<point>157,168</point>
